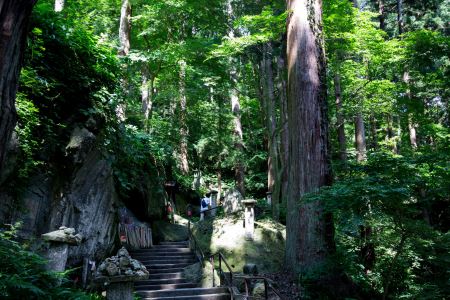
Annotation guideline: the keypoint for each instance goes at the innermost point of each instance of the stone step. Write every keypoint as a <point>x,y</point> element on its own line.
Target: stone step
<point>168,286</point>
<point>162,254</point>
<point>198,297</point>
<point>174,243</point>
<point>164,260</point>
<point>183,292</point>
<point>167,246</point>
<point>157,266</point>
<point>177,275</point>
<point>168,270</point>
<point>143,283</point>
<point>160,250</point>
<point>173,256</point>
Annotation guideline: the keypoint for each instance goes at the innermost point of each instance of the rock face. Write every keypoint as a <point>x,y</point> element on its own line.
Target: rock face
<point>232,201</point>
<point>84,198</point>
<point>90,206</point>
<point>77,191</point>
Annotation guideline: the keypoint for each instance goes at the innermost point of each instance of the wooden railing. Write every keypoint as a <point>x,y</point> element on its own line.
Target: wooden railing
<point>194,246</point>
<point>267,286</point>
<point>135,236</point>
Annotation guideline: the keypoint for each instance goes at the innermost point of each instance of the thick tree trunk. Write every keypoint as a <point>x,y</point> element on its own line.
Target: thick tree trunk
<point>284,139</point>
<point>342,141</point>
<point>184,165</point>
<point>309,230</point>
<point>269,108</point>
<point>124,49</point>
<point>382,16</point>
<point>59,5</point>
<point>14,16</point>
<point>236,110</point>
<point>125,28</point>
<point>238,136</point>
<point>360,138</point>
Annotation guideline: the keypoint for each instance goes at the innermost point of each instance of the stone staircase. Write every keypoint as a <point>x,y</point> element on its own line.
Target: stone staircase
<point>165,263</point>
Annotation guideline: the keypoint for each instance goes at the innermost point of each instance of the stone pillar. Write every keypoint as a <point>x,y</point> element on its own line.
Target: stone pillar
<point>57,255</point>
<point>249,218</point>
<point>58,250</point>
<point>120,291</point>
<point>213,202</point>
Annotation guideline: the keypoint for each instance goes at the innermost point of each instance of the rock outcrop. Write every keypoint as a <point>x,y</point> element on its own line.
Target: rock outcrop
<point>83,197</point>
<point>232,201</point>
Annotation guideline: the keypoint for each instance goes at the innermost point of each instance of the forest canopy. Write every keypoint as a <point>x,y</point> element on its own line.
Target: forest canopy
<point>221,92</point>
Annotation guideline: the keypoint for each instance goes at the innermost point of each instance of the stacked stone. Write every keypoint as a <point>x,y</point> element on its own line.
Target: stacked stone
<point>118,273</point>
<point>121,265</point>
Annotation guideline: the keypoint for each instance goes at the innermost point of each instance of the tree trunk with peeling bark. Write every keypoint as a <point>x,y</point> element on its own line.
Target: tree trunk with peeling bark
<point>310,234</point>
<point>14,17</point>
<point>184,164</point>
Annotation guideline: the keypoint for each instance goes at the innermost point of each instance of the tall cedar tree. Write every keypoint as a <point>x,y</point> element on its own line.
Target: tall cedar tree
<point>309,240</point>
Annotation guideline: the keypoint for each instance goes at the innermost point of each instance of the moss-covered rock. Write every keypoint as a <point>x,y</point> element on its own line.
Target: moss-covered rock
<point>227,236</point>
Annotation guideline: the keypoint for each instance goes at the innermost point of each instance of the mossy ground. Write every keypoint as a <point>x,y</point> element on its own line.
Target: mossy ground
<point>226,234</point>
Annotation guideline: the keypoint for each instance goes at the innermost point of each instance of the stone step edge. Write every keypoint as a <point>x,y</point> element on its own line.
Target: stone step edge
<point>192,297</point>
<point>190,291</point>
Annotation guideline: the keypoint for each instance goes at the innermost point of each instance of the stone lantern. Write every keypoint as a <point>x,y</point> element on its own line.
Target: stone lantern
<point>213,202</point>
<point>249,215</point>
<point>59,247</point>
<point>269,198</point>
<point>118,274</point>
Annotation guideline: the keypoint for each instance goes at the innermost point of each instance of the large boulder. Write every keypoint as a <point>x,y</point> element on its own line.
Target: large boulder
<point>232,201</point>
<point>80,144</point>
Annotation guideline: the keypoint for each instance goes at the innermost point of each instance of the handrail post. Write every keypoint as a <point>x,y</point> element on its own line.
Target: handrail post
<point>266,294</point>
<point>212,263</point>
<point>220,270</point>
<point>246,287</point>
<point>231,277</point>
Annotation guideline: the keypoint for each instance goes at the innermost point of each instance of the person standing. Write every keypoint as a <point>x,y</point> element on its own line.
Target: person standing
<point>204,205</point>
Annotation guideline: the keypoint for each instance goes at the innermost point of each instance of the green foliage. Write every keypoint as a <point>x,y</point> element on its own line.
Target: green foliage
<point>403,200</point>
<point>136,156</point>
<point>53,99</point>
<point>264,27</point>
<point>23,274</point>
